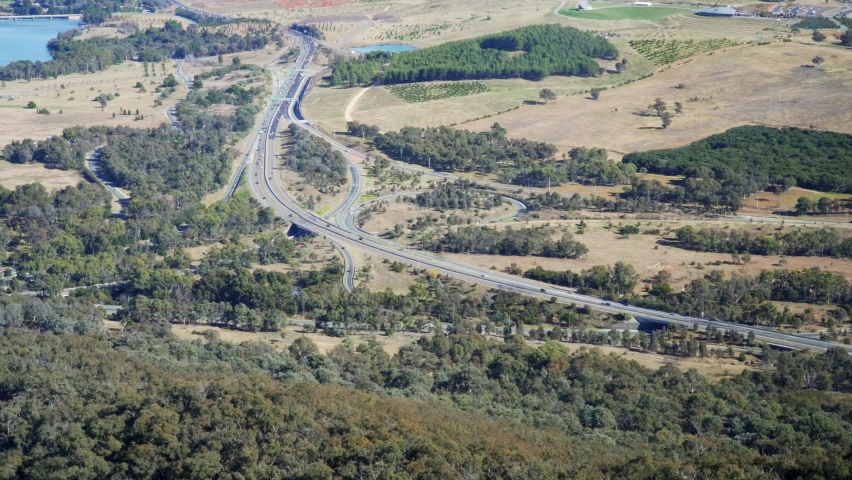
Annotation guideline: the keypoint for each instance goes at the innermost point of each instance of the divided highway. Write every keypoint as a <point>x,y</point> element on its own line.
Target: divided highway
<point>339,225</point>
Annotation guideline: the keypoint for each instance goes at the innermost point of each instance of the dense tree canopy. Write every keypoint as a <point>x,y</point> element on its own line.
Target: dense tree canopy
<point>445,148</point>
<point>315,159</point>
<point>814,159</point>
<point>533,52</point>
<point>461,194</point>
<point>798,242</point>
<point>142,403</point>
<point>523,241</point>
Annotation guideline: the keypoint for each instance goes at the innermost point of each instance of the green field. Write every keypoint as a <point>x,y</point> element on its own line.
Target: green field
<point>627,12</point>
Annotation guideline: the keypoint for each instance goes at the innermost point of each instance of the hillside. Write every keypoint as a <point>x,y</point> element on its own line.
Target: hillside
<point>533,52</point>
<point>815,159</point>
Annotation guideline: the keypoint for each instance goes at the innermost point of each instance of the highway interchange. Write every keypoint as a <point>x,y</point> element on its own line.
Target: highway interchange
<point>339,225</point>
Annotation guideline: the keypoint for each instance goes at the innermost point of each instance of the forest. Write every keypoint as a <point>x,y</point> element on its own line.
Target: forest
<point>69,237</point>
<point>737,298</point>
<point>140,402</point>
<point>71,55</point>
<point>445,148</point>
<point>534,241</point>
<point>533,52</point>
<point>461,194</point>
<point>757,157</point>
<point>797,242</point>
<point>581,165</point>
<point>744,298</point>
<point>315,160</point>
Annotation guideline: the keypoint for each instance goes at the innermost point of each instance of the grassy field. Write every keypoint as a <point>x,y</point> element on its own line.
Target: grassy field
<point>12,175</point>
<point>404,213</point>
<point>767,85</point>
<point>74,96</point>
<point>626,12</point>
<point>648,256</point>
<point>380,106</point>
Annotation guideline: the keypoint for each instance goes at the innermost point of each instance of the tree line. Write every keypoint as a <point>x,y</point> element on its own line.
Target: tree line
<point>546,50</point>
<point>71,55</point>
<point>92,13</point>
<point>445,148</point>
<point>783,157</point>
<point>745,299</point>
<point>797,242</point>
<point>534,241</point>
<point>619,279</point>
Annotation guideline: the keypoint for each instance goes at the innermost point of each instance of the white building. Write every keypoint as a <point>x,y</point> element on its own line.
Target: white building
<point>642,4</point>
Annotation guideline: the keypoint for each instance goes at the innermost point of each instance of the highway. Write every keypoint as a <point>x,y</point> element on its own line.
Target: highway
<point>339,227</point>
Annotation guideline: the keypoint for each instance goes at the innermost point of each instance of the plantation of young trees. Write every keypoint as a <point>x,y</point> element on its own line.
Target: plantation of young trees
<point>813,159</point>
<point>545,50</point>
<point>319,164</point>
<point>436,91</point>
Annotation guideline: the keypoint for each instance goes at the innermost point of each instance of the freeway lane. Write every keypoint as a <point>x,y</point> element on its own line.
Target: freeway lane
<point>268,190</point>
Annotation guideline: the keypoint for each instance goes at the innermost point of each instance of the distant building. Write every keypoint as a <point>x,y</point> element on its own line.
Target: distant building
<point>584,6</point>
<point>642,4</point>
<point>717,12</point>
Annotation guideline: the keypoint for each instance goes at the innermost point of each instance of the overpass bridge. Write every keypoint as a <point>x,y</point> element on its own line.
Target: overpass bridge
<point>67,16</point>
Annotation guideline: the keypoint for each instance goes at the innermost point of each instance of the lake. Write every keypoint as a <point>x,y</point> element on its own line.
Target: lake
<point>393,48</point>
<point>27,39</point>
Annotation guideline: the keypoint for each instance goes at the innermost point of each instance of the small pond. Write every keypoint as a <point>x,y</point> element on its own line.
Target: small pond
<point>393,48</point>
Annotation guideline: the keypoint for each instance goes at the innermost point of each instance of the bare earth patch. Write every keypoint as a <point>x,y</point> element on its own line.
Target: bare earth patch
<point>12,176</point>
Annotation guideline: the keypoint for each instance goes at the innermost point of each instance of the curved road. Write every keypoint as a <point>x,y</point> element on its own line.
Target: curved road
<point>339,227</point>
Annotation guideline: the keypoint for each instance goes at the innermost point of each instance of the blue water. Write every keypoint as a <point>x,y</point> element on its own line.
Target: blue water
<point>384,48</point>
<point>27,39</point>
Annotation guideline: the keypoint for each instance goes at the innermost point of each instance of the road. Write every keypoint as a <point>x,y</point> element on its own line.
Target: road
<point>93,168</point>
<point>339,227</point>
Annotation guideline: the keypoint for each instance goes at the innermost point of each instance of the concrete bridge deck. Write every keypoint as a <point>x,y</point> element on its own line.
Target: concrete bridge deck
<point>68,16</point>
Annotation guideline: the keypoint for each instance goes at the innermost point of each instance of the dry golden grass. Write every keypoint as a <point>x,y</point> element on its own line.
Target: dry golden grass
<point>382,277</point>
<point>12,175</point>
<point>402,212</point>
<point>746,85</point>
<point>146,21</point>
<point>391,345</point>
<point>379,106</point>
<point>712,368</point>
<point>648,256</point>
<point>17,122</point>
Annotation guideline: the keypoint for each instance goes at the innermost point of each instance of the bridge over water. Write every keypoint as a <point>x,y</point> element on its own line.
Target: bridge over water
<point>15,18</point>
